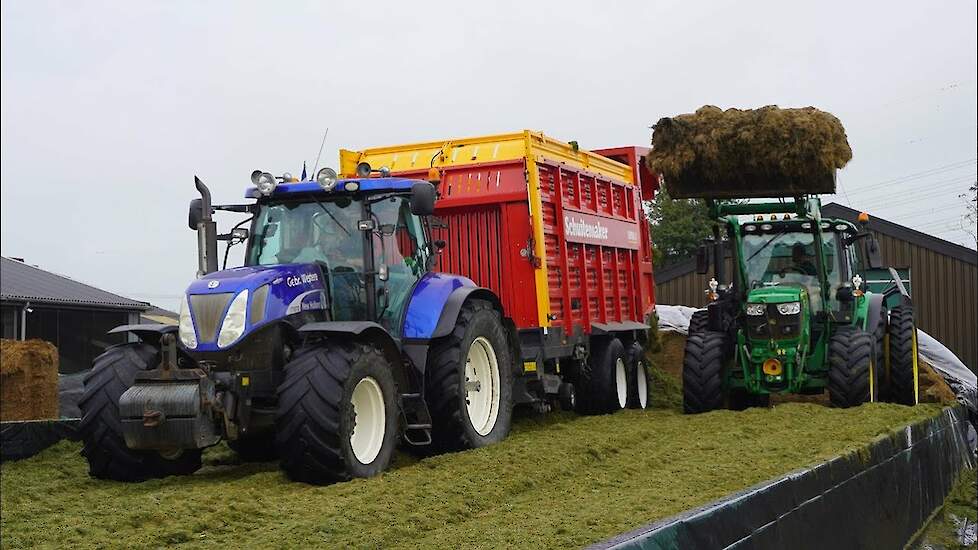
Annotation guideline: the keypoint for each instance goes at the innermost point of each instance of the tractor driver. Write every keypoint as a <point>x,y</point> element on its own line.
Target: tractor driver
<point>336,241</point>
<point>802,261</point>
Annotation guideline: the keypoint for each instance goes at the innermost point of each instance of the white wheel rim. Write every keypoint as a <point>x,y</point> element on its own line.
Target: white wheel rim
<point>482,386</point>
<point>370,420</point>
<point>621,382</point>
<point>642,385</point>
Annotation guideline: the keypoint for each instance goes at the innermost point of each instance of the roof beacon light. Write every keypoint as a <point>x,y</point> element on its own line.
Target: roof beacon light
<point>265,183</point>
<point>326,178</point>
<point>363,170</point>
<point>863,218</point>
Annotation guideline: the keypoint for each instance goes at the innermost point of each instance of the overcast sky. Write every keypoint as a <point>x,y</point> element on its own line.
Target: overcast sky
<point>109,109</point>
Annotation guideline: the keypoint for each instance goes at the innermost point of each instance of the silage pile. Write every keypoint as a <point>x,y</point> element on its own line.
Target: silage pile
<point>28,380</point>
<point>766,152</point>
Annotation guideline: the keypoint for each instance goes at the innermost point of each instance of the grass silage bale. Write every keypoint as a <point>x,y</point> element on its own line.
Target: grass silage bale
<point>765,152</point>
<point>28,380</point>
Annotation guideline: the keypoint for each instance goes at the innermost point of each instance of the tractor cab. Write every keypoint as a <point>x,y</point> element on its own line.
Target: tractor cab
<point>780,259</point>
<point>365,238</point>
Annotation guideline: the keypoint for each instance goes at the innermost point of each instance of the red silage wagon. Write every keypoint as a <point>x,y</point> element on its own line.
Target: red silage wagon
<point>560,235</point>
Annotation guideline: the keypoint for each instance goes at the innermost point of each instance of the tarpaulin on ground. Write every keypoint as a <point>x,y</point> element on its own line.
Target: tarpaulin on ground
<point>873,499</point>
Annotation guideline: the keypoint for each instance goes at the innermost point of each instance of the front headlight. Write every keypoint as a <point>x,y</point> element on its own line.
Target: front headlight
<point>234,322</point>
<point>789,308</point>
<point>187,334</point>
<point>756,309</point>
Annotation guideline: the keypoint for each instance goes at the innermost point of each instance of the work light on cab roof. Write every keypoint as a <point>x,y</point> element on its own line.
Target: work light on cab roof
<point>326,178</point>
<point>264,182</point>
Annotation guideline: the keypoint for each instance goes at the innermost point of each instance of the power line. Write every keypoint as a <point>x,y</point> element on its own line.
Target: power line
<point>947,186</point>
<point>910,177</point>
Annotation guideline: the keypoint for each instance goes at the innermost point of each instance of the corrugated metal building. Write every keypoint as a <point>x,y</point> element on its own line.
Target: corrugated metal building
<point>73,316</point>
<point>944,281</point>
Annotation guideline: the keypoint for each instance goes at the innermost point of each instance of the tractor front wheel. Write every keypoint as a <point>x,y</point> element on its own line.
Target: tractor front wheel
<point>703,372</point>
<point>852,367</point>
<point>902,352</point>
<point>469,383</point>
<point>337,413</point>
<point>101,428</point>
<point>699,322</point>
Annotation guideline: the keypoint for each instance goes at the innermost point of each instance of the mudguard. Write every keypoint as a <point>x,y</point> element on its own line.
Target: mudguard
<point>874,310</point>
<point>149,333</point>
<point>436,302</point>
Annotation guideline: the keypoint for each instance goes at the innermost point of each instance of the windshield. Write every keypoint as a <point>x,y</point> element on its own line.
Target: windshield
<point>788,258</point>
<point>328,233</point>
<point>308,232</point>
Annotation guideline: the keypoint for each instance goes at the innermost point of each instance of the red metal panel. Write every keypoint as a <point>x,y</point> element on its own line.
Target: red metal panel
<point>596,242</point>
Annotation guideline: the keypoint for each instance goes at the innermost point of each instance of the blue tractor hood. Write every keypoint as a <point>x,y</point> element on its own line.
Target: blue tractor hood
<point>274,292</point>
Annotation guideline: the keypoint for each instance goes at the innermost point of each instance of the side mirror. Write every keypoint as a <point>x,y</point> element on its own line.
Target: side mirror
<point>423,196</point>
<point>873,253</point>
<point>702,260</point>
<point>196,214</point>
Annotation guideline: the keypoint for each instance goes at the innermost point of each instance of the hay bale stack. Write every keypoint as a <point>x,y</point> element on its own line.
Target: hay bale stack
<point>28,380</point>
<point>766,152</point>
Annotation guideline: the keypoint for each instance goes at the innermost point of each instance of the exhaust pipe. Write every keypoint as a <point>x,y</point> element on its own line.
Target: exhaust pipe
<point>206,233</point>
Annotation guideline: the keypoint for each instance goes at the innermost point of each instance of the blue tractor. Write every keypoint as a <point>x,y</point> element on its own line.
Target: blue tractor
<point>325,349</point>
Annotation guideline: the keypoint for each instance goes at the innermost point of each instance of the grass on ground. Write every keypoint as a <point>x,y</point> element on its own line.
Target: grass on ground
<point>959,507</point>
<point>559,480</point>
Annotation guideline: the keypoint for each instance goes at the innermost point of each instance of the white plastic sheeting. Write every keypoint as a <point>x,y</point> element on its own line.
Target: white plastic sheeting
<point>957,375</point>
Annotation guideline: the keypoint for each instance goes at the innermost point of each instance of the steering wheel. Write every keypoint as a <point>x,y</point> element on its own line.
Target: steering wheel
<point>793,268</point>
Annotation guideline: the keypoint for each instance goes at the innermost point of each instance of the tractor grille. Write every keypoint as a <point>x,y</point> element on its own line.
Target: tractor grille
<point>774,325</point>
<point>207,310</point>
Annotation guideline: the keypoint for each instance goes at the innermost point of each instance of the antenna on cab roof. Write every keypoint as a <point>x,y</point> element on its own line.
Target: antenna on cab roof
<point>316,167</point>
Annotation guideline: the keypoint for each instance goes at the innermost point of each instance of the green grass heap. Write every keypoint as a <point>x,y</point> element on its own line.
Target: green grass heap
<point>750,153</point>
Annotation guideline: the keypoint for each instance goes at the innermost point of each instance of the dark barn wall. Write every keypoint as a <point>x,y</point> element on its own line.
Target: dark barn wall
<point>944,291</point>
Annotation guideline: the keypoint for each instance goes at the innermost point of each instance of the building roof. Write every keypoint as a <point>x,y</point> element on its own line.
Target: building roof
<point>20,282</point>
<point>930,242</point>
<point>879,225</point>
<point>161,316</point>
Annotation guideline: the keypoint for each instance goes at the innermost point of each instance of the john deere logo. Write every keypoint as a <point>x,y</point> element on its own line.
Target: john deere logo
<point>213,284</point>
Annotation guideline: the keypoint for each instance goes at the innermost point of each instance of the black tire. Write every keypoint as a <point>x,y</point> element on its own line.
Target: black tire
<point>639,386</point>
<point>601,388</point>
<point>316,417</point>
<point>445,381</point>
<point>261,448</point>
<point>851,364</point>
<point>567,396</point>
<point>740,400</point>
<point>100,428</point>
<point>902,336</point>
<point>699,322</point>
<point>703,372</point>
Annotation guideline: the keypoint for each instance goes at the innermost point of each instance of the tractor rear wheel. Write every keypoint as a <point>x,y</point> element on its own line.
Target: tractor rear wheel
<point>602,385</point>
<point>100,428</point>
<point>337,413</point>
<point>638,378</point>
<point>699,322</point>
<point>703,372</point>
<point>902,351</point>
<point>852,367</point>
<point>469,381</point>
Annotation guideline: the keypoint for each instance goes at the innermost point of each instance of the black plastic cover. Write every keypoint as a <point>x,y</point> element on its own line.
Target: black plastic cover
<point>874,500</point>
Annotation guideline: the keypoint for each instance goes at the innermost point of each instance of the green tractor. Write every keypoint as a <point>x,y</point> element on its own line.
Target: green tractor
<point>794,315</point>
